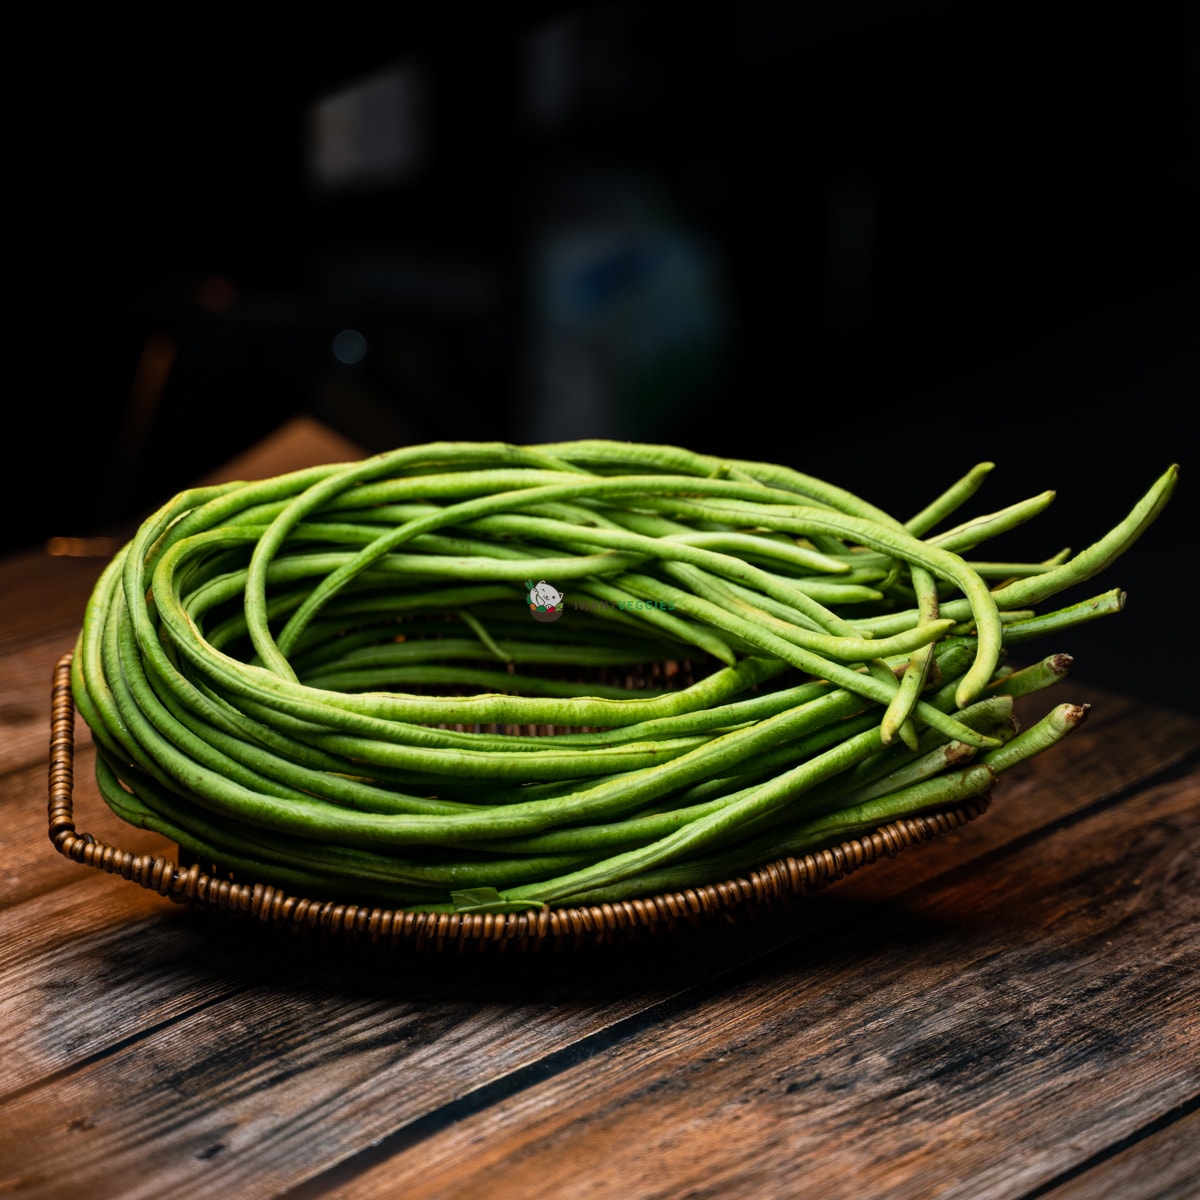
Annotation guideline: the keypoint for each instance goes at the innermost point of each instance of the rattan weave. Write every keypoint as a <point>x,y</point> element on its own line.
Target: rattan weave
<point>192,883</point>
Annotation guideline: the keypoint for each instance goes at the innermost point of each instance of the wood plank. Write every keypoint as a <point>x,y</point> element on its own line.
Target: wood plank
<point>91,965</point>
<point>238,1093</point>
<point>253,1092</point>
<point>26,675</point>
<point>1163,1165</point>
<point>976,1043</point>
<point>30,864</point>
<point>40,592</point>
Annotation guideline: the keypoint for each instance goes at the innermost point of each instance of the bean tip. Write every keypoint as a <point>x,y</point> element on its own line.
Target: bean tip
<point>1060,664</point>
<point>958,753</point>
<point>969,689</point>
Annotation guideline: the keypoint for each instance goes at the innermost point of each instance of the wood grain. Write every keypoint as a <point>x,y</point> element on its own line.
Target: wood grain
<point>30,863</point>
<point>1046,1003</point>
<point>267,1078</point>
<point>26,671</point>
<point>1163,1165</point>
<point>40,593</point>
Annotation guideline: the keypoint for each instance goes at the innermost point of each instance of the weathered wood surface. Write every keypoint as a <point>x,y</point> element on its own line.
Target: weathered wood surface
<point>1009,1011</point>
<point>1158,1164</point>
<point>974,1038</point>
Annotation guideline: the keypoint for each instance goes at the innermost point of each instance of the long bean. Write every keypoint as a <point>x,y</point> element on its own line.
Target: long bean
<point>332,679</point>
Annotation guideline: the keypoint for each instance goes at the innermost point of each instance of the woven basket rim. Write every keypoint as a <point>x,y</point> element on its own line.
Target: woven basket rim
<point>189,883</point>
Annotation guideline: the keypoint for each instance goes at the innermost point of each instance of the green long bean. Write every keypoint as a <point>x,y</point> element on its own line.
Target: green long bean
<point>336,679</point>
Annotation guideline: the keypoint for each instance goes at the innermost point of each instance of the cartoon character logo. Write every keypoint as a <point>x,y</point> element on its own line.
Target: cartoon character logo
<point>545,600</point>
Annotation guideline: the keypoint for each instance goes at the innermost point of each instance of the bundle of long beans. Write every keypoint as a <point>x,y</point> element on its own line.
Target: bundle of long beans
<point>330,680</point>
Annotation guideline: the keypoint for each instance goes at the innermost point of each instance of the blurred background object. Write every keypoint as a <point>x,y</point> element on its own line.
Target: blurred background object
<point>878,241</point>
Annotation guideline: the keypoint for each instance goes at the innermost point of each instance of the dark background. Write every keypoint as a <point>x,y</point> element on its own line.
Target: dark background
<point>877,241</point>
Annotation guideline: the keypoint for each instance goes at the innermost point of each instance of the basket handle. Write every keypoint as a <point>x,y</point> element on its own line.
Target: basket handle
<point>156,872</point>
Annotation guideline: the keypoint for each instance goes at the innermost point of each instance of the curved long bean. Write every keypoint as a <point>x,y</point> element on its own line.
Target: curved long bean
<point>336,679</point>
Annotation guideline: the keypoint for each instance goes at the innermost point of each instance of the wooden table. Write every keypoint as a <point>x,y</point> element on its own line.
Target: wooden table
<point>1007,1011</point>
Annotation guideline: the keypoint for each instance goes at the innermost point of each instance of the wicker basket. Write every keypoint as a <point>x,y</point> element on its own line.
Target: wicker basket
<point>189,882</point>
